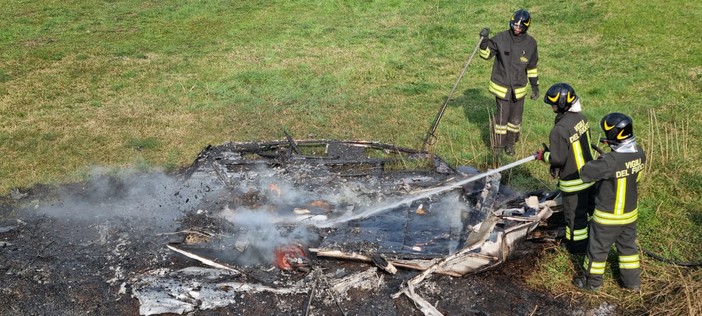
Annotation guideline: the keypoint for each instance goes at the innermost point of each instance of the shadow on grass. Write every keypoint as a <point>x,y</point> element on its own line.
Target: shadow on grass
<point>477,107</point>
<point>692,180</point>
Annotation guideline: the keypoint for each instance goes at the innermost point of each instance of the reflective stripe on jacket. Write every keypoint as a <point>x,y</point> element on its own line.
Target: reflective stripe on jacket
<point>570,150</point>
<point>619,174</point>
<point>516,59</point>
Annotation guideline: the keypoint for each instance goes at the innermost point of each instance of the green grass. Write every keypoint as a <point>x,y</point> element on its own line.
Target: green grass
<point>131,83</point>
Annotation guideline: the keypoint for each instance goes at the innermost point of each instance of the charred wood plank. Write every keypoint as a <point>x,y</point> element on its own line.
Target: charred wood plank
<point>204,260</point>
<point>292,143</point>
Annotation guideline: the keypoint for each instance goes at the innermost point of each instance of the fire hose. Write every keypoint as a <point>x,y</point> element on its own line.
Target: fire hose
<point>671,261</point>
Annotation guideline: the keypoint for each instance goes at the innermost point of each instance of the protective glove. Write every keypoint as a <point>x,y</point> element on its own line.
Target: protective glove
<point>539,155</point>
<point>534,92</point>
<point>485,32</point>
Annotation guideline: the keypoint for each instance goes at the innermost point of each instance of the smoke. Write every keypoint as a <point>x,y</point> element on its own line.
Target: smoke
<point>291,213</point>
<point>260,234</point>
<point>272,207</point>
<point>150,198</point>
<point>286,212</point>
<point>273,224</point>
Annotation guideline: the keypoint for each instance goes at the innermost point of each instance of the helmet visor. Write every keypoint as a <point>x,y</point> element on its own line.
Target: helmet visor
<point>518,24</point>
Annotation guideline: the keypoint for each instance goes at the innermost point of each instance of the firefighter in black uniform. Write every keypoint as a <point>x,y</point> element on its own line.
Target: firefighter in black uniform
<point>614,221</point>
<point>569,144</point>
<point>516,57</point>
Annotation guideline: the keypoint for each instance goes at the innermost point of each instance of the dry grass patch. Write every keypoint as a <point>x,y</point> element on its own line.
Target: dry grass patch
<point>665,289</point>
<point>669,290</point>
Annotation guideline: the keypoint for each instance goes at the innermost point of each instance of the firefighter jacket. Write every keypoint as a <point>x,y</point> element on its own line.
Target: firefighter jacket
<point>516,58</point>
<point>618,173</point>
<point>569,150</point>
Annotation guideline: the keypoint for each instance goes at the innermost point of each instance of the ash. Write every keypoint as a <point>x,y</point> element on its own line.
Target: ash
<point>102,247</point>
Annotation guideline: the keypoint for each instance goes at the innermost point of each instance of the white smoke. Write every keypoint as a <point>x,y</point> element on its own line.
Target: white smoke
<point>286,213</point>
<point>150,198</point>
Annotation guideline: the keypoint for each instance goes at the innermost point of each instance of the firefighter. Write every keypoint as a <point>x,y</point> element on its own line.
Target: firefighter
<point>569,144</point>
<point>614,220</point>
<point>516,57</point>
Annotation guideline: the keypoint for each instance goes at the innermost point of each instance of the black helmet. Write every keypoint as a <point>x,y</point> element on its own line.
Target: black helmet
<point>618,128</point>
<point>562,95</point>
<point>521,17</point>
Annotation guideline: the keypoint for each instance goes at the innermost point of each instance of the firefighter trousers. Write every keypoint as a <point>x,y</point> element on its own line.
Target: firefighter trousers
<point>601,239</point>
<point>576,208</point>
<point>508,122</point>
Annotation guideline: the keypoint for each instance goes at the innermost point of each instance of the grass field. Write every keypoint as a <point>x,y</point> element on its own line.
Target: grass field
<point>133,83</point>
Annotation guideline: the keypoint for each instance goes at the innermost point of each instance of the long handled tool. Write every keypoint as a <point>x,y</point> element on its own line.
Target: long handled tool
<point>429,139</point>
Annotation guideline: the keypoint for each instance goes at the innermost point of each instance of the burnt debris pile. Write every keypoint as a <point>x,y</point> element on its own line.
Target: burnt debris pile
<point>262,217</point>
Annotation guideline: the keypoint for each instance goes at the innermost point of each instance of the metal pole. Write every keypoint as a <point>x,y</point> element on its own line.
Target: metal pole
<point>430,135</point>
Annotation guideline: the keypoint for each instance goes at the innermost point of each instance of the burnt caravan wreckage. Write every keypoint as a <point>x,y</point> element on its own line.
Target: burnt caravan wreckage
<point>286,202</point>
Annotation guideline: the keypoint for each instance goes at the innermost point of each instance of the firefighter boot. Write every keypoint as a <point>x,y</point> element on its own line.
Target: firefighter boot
<point>629,288</point>
<point>582,283</point>
<point>512,139</point>
<point>577,247</point>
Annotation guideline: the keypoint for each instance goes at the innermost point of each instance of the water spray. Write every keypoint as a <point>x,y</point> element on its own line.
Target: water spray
<point>427,194</point>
